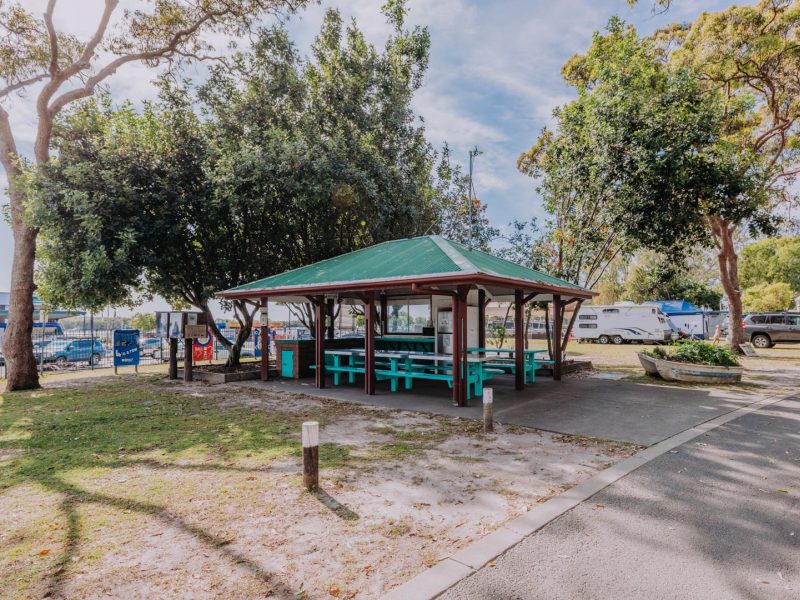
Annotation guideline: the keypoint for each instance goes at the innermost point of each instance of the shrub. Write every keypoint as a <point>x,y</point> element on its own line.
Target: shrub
<point>698,353</point>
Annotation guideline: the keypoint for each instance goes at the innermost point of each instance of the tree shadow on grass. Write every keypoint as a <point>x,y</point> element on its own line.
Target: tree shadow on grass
<point>74,497</point>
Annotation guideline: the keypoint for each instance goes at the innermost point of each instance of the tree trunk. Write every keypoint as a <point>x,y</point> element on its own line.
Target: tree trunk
<point>723,231</point>
<point>568,330</point>
<point>18,342</point>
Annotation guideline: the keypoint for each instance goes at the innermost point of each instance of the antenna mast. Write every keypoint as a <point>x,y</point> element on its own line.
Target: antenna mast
<point>471,195</point>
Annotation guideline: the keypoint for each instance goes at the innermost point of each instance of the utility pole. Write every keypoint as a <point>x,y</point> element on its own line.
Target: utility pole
<point>471,194</point>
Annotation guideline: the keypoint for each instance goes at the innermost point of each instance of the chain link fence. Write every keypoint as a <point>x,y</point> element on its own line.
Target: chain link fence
<point>87,349</point>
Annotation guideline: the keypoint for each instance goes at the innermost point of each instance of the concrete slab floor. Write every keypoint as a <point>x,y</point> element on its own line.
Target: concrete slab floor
<point>614,410</point>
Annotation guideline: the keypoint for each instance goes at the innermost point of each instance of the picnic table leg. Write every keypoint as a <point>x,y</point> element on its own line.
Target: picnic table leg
<point>351,376</point>
<point>337,362</point>
<point>479,380</point>
<point>408,372</point>
<point>395,374</point>
<point>534,366</point>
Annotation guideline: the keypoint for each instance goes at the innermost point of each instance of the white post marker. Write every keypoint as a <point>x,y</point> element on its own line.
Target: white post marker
<point>311,455</point>
<point>488,402</point>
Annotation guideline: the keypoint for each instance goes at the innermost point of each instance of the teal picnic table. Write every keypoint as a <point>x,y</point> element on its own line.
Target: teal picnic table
<point>407,366</point>
<point>503,358</point>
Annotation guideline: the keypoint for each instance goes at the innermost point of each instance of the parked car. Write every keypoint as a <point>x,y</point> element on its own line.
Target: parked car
<point>71,351</point>
<point>764,330</point>
<point>150,347</point>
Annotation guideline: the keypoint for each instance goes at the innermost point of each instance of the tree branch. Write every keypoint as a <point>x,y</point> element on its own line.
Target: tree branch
<point>163,52</point>
<point>21,84</point>
<point>51,33</point>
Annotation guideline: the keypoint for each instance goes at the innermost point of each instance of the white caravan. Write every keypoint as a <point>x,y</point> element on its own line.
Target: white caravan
<point>621,323</point>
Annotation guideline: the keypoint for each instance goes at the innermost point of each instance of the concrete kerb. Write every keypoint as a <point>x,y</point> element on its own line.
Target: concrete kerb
<point>441,577</point>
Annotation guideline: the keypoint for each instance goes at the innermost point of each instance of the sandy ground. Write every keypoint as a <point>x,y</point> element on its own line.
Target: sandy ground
<point>193,526</point>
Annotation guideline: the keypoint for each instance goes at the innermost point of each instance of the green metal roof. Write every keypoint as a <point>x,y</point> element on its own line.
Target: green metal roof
<point>423,256</point>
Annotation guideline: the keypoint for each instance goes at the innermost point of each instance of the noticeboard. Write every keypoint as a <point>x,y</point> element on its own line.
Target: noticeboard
<point>181,325</point>
<point>126,347</point>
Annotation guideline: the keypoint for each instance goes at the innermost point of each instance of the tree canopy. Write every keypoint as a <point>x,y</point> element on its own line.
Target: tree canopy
<point>653,142</point>
<point>37,57</point>
<point>772,260</point>
<point>287,162</point>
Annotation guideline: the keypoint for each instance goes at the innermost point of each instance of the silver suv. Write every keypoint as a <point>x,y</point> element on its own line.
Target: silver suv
<point>765,330</point>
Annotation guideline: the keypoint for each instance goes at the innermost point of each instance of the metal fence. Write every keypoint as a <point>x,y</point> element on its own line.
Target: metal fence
<point>90,349</point>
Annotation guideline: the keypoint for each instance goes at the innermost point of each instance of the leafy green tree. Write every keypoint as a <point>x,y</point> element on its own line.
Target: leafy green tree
<point>662,156</point>
<point>37,58</point>
<point>773,260</point>
<point>764,297</point>
<point>292,162</point>
<point>143,321</point>
<point>665,277</point>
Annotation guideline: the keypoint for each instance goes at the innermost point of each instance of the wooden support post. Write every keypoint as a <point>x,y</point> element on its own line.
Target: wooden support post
<point>319,341</point>
<point>558,308</point>
<point>482,318</point>
<point>329,319</point>
<point>519,341</point>
<point>462,298</point>
<point>173,358</point>
<point>456,307</point>
<point>488,403</point>
<point>384,316</point>
<point>187,359</point>
<point>264,320</point>
<point>369,344</point>
<point>311,455</point>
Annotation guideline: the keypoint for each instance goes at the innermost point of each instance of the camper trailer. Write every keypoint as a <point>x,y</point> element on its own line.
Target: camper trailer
<point>621,323</point>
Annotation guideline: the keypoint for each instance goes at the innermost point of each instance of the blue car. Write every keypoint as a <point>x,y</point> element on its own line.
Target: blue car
<point>71,351</point>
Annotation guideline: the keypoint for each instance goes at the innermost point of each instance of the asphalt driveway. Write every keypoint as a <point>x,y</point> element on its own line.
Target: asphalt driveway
<point>615,410</point>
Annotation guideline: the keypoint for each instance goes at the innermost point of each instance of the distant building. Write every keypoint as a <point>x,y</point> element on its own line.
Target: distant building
<point>38,308</point>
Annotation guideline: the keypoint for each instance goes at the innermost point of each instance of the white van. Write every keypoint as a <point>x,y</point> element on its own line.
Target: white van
<point>620,323</point>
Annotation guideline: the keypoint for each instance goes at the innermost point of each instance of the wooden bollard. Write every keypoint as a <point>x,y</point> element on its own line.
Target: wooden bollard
<point>488,401</point>
<point>173,358</point>
<point>311,455</point>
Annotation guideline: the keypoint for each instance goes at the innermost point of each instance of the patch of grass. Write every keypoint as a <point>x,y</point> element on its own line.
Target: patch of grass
<point>47,433</point>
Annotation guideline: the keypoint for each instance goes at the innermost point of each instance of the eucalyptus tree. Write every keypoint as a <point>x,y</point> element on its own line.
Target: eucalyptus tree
<point>652,144</point>
<point>271,164</point>
<point>57,68</point>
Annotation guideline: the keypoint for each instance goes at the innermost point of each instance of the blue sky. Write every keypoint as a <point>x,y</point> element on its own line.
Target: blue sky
<point>494,77</point>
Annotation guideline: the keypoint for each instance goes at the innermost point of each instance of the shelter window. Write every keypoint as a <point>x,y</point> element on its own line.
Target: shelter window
<point>408,316</point>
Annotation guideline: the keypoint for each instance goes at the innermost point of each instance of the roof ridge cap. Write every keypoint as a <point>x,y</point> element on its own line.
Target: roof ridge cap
<point>461,261</point>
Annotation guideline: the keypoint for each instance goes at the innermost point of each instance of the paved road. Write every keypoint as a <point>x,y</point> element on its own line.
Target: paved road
<point>717,518</point>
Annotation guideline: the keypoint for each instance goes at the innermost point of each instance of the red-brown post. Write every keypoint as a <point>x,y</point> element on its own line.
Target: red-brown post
<point>482,318</point>
<point>264,342</point>
<point>557,326</point>
<point>319,341</point>
<point>462,297</point>
<point>369,344</point>
<point>519,341</point>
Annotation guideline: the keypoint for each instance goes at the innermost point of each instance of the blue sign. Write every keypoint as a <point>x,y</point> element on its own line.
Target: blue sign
<point>126,347</point>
